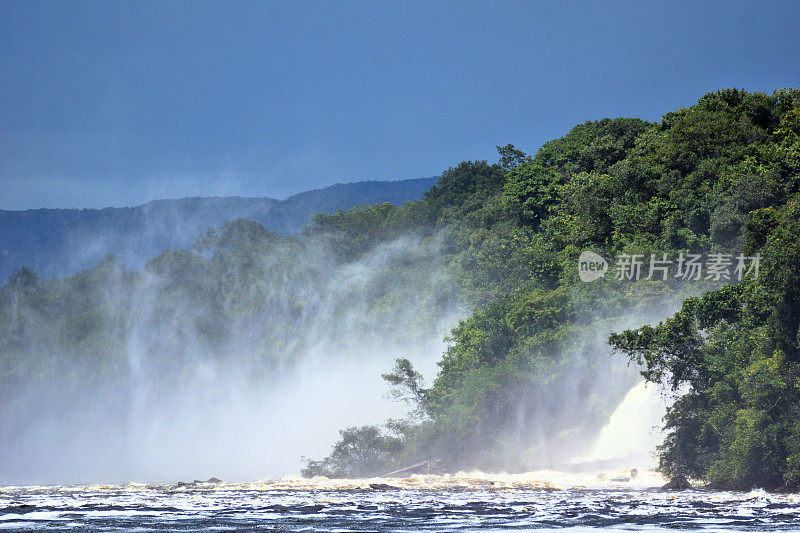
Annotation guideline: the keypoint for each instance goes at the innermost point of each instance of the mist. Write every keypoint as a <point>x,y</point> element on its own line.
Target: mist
<point>239,358</point>
<point>231,361</point>
<point>560,418</point>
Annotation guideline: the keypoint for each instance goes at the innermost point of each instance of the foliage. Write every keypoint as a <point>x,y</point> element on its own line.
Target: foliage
<point>710,178</point>
<point>407,384</point>
<point>527,370</point>
<point>738,349</point>
<point>360,452</point>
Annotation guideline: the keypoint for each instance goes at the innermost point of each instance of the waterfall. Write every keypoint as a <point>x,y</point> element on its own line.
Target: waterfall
<point>634,429</point>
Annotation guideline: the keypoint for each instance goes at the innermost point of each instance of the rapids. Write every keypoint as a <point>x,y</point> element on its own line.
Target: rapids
<point>465,501</point>
<point>591,496</point>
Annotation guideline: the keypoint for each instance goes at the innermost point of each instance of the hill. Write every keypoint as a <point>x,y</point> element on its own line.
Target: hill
<point>58,242</point>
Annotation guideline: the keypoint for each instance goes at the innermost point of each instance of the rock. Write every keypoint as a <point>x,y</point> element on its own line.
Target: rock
<point>620,479</point>
<point>381,486</point>
<point>20,508</point>
<point>677,483</point>
<point>199,481</point>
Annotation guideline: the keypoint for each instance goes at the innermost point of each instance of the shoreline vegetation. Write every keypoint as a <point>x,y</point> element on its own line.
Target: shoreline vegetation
<point>720,177</point>
<point>527,379</point>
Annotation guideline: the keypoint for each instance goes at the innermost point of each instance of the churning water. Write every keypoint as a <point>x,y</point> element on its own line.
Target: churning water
<point>544,500</point>
<point>468,502</point>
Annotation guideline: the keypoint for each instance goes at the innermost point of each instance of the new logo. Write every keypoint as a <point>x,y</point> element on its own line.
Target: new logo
<point>591,266</point>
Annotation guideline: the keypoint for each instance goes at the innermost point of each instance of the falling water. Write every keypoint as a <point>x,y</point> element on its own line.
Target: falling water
<point>634,429</point>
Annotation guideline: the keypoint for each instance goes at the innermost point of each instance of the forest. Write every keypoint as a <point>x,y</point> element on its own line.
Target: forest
<point>538,359</point>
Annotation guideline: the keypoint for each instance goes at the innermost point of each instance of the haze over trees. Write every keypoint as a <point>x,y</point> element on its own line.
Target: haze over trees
<point>527,377</point>
<point>60,242</point>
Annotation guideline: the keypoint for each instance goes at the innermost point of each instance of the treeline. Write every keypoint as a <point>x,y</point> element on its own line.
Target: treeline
<point>89,354</point>
<point>519,377</point>
<point>53,241</point>
<point>527,379</point>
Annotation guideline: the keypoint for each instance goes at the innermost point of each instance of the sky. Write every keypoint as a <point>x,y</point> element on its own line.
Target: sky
<point>118,103</point>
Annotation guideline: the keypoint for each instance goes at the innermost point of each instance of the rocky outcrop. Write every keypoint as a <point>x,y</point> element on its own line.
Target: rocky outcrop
<point>677,483</point>
<point>382,486</point>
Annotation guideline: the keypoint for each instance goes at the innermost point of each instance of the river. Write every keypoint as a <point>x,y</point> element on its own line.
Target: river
<point>538,501</point>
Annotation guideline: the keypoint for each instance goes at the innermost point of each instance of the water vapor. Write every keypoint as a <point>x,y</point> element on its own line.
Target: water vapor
<point>233,362</point>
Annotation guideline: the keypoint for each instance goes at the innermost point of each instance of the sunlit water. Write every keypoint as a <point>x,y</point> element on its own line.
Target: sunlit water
<point>540,501</point>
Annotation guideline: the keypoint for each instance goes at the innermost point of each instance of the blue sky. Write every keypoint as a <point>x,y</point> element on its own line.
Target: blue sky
<point>114,104</point>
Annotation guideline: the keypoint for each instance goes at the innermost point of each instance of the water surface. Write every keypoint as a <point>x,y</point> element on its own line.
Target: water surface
<point>464,502</point>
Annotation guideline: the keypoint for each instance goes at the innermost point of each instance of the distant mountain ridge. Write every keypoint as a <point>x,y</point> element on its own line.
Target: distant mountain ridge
<point>59,242</point>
